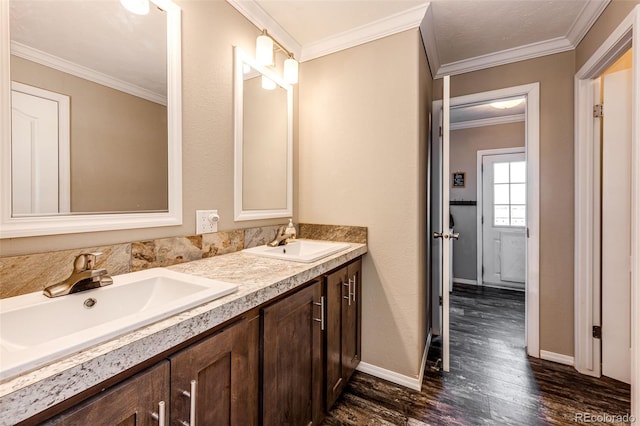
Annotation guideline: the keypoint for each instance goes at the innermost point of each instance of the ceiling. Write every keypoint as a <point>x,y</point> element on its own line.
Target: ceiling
<point>459,35</point>
<point>97,40</point>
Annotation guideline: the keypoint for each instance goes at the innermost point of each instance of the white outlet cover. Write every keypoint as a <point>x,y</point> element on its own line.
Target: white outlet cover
<point>206,221</point>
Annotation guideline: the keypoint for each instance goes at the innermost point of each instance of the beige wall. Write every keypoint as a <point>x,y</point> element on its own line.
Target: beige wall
<point>361,161</point>
<point>612,16</point>
<point>210,29</point>
<point>114,167</point>
<point>555,74</point>
<point>465,144</point>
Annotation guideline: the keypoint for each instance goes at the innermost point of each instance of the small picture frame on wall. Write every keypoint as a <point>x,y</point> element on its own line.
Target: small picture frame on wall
<point>458,179</point>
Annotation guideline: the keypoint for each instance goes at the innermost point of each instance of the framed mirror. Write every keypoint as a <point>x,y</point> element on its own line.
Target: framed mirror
<point>263,105</point>
<point>91,132</point>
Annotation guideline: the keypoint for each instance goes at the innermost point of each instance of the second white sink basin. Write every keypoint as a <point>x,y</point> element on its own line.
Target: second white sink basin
<point>300,250</point>
<point>35,329</point>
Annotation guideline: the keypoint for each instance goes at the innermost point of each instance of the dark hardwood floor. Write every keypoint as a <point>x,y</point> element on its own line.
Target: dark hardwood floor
<point>491,380</point>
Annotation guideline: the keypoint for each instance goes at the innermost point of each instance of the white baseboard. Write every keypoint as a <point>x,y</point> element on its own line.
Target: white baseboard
<point>392,376</point>
<point>465,281</point>
<point>559,358</point>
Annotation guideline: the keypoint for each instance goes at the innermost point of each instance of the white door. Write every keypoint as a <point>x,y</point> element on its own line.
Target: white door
<point>39,151</point>
<point>616,226</point>
<point>441,250</point>
<point>504,198</point>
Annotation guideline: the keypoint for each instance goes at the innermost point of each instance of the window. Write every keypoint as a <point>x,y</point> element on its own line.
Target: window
<point>510,194</point>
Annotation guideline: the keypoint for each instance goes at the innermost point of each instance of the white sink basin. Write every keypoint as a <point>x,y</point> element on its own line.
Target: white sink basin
<point>35,329</point>
<point>299,250</point>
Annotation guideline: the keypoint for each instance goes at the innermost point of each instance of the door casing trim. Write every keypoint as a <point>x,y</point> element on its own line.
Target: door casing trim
<point>586,281</point>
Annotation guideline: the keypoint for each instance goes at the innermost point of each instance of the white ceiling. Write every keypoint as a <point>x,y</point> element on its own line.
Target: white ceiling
<point>460,35</point>
<point>96,38</point>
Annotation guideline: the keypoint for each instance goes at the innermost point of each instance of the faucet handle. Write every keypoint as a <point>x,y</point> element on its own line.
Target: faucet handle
<point>85,261</point>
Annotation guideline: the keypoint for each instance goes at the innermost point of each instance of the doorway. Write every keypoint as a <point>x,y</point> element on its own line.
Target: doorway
<point>531,93</point>
<point>587,205</point>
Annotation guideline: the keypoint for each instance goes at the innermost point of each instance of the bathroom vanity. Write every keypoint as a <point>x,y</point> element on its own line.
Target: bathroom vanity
<point>279,350</point>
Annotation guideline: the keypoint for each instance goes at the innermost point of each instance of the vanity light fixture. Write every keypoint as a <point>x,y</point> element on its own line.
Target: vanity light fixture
<point>139,7</point>
<point>265,46</point>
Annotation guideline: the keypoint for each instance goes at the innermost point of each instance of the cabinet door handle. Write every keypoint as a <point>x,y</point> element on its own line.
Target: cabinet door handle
<point>160,415</point>
<point>192,406</point>
<point>355,286</point>
<point>348,296</point>
<point>321,320</point>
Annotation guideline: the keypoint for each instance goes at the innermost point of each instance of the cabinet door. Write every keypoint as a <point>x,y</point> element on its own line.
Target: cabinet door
<point>351,320</point>
<point>292,359</point>
<point>223,372</point>
<point>336,290</point>
<point>133,402</point>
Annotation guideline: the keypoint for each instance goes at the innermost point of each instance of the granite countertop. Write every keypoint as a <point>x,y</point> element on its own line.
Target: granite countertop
<point>259,280</point>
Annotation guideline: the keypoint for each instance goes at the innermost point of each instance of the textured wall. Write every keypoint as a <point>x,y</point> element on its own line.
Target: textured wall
<point>362,161</point>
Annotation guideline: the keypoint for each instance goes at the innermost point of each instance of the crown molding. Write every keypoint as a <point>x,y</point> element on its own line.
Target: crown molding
<point>487,122</point>
<point>55,62</point>
<point>587,17</point>
<point>515,54</point>
<point>261,19</point>
<point>405,20</point>
<point>581,25</point>
<point>428,35</point>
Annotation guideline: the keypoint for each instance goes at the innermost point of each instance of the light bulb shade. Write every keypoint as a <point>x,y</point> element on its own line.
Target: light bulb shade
<point>291,71</point>
<point>267,83</point>
<point>264,50</point>
<point>139,7</point>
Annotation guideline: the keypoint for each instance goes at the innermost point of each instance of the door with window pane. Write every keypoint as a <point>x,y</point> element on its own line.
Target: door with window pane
<point>504,196</point>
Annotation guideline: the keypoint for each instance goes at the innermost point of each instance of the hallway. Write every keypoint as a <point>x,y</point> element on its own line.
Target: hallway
<point>492,381</point>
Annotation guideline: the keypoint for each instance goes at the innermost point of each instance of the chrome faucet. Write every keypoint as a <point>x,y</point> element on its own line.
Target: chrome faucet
<point>280,239</point>
<point>84,277</point>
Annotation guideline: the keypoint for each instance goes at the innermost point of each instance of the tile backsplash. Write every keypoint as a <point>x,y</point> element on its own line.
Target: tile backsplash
<point>33,272</point>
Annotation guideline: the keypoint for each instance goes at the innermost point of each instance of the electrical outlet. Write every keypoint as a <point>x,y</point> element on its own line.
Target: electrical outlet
<point>206,221</point>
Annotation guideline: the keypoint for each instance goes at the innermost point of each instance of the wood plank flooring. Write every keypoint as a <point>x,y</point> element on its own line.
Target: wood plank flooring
<point>492,381</point>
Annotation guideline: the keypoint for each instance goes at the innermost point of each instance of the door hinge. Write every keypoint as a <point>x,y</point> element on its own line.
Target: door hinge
<point>598,111</point>
<point>527,232</point>
<point>597,332</point>
<point>440,300</point>
<point>440,131</point>
<point>482,220</point>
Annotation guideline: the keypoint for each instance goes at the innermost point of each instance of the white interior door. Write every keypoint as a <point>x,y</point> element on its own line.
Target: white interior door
<point>39,151</point>
<point>616,226</point>
<point>504,205</point>
<point>443,234</point>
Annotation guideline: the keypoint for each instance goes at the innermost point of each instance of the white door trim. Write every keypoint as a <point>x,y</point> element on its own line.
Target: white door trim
<point>586,283</point>
<point>479,198</point>
<point>532,149</point>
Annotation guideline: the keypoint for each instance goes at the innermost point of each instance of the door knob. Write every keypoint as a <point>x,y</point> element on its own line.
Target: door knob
<point>437,235</point>
<point>454,235</point>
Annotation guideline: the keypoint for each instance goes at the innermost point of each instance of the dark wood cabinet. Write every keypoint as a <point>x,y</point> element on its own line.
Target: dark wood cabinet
<point>282,364</point>
<point>343,329</point>
<point>292,359</point>
<point>216,380</point>
<point>135,402</point>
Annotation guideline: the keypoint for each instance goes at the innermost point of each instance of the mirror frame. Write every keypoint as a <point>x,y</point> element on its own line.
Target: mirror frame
<point>65,224</point>
<point>242,58</point>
